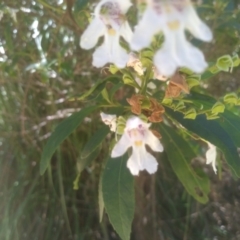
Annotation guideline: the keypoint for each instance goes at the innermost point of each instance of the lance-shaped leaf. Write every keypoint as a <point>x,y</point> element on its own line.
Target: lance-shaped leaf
<point>118,195</point>
<point>62,131</point>
<point>180,154</point>
<point>83,162</point>
<point>98,87</point>
<point>100,200</point>
<point>228,121</point>
<point>212,131</point>
<point>94,141</point>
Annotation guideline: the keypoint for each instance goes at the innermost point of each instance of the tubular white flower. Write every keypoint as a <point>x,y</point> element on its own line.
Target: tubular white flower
<point>137,135</point>
<point>211,156</point>
<point>172,17</point>
<point>109,22</point>
<point>110,120</point>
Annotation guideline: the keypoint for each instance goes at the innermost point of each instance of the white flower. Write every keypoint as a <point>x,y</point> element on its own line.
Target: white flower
<point>172,17</point>
<point>211,156</point>
<point>110,120</point>
<point>109,21</point>
<point>137,135</point>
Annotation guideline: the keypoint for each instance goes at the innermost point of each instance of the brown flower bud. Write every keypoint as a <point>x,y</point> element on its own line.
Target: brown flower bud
<point>135,103</point>
<point>176,85</point>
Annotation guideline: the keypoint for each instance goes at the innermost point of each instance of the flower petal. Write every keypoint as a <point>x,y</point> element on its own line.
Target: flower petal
<point>211,156</point>
<point>153,142</point>
<point>110,52</point>
<point>150,163</point>
<point>195,60</point>
<point>196,26</point>
<point>109,119</point>
<point>145,30</point>
<point>165,62</point>
<point>133,163</point>
<point>186,55</point>
<point>91,35</point>
<point>126,32</point>
<point>121,146</point>
<point>101,56</point>
<point>134,122</point>
<point>124,5</point>
<point>140,160</point>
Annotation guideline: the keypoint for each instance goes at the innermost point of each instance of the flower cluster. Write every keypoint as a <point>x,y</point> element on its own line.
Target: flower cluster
<point>167,17</point>
<point>109,21</point>
<point>170,17</point>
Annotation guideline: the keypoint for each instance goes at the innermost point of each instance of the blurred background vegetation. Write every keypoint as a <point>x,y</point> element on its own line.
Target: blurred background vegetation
<point>42,71</point>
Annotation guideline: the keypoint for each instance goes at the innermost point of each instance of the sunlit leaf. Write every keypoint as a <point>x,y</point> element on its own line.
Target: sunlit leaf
<point>190,114</point>
<point>218,107</point>
<point>224,63</point>
<point>231,98</point>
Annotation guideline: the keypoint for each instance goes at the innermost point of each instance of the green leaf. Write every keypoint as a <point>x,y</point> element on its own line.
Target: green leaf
<point>95,141</point>
<point>180,155</point>
<point>167,101</point>
<point>62,131</point>
<point>83,162</point>
<point>114,89</point>
<point>105,95</point>
<point>228,121</point>
<point>212,131</point>
<point>211,116</point>
<point>100,200</point>
<point>79,5</point>
<point>118,195</point>
<point>224,63</point>
<point>130,81</point>
<point>192,82</point>
<point>190,114</point>
<point>113,69</point>
<point>236,60</point>
<point>179,106</point>
<point>214,69</point>
<point>231,98</point>
<point>218,107</point>
<point>98,87</point>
